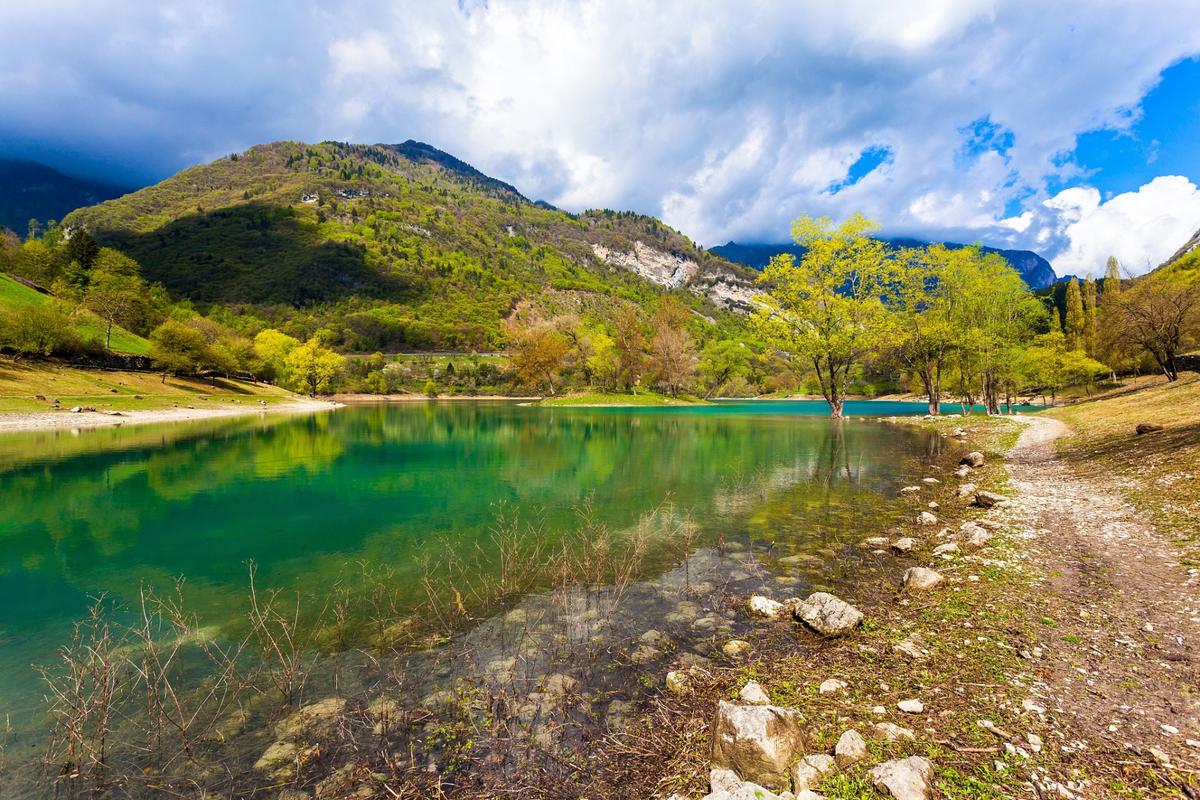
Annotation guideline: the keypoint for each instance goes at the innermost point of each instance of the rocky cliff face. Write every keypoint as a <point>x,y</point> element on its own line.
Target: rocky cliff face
<point>722,287</point>
<point>1191,246</point>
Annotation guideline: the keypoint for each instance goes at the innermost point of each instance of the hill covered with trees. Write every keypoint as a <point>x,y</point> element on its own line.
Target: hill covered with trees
<point>33,191</point>
<point>393,247</point>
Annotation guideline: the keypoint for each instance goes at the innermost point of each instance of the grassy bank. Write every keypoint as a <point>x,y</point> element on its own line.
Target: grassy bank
<point>584,399</point>
<point>21,384</point>
<point>1157,472</point>
<point>15,296</point>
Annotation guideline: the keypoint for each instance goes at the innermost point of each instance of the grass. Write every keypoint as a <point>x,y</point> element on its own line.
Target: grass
<point>578,399</point>
<point>22,382</point>
<point>14,296</point>
<point>1157,472</point>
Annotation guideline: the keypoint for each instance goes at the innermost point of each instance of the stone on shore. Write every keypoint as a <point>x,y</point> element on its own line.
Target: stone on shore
<point>966,490</point>
<point>1148,427</point>
<point>904,778</point>
<point>891,732</point>
<point>850,749</point>
<point>679,682</point>
<point>989,499</point>
<point>926,518</point>
<point>831,686</point>
<point>736,648</point>
<point>920,579</point>
<point>754,694</point>
<point>808,772</point>
<point>913,706</point>
<point>910,490</point>
<point>908,647</point>
<point>756,742</point>
<point>962,471</point>
<point>972,459</point>
<point>945,550</point>
<point>765,607</point>
<point>827,615</point>
<point>903,545</point>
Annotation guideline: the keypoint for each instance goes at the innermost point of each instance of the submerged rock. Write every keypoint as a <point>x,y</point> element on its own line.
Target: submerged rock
<point>921,578</point>
<point>904,778</point>
<point>756,742</point>
<point>827,615</point>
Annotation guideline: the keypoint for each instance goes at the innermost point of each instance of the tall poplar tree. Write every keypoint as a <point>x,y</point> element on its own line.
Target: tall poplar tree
<point>1089,316</point>
<point>1073,321</point>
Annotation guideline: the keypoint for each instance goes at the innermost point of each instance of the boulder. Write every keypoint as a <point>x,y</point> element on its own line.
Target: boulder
<point>723,780</point>
<point>945,550</point>
<point>754,694</point>
<point>279,755</point>
<point>756,742</point>
<point>1148,427</point>
<point>962,472</point>
<point>976,538</point>
<point>913,706</point>
<point>989,499</point>
<point>764,607</point>
<point>920,579</point>
<point>831,686</point>
<point>925,518</point>
<point>808,772</point>
<point>903,545</point>
<point>850,749</point>
<point>827,615</point>
<point>972,459</point>
<point>966,490</point>
<point>748,791</point>
<point>904,778</point>
<point>313,718</point>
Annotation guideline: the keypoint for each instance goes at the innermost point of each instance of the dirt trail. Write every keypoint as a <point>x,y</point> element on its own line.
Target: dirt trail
<point>1120,673</point>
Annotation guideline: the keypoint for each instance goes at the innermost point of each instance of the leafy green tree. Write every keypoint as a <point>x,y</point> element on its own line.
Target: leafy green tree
<point>827,309</point>
<point>1112,277</point>
<point>1074,323</point>
<point>116,292</point>
<point>313,366</point>
<point>603,362</point>
<point>1089,316</point>
<point>271,348</point>
<point>177,348</point>
<point>923,299</point>
<point>722,361</point>
<point>42,329</point>
<point>629,339</point>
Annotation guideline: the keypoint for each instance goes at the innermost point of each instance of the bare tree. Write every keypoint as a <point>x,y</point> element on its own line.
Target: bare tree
<point>1161,315</point>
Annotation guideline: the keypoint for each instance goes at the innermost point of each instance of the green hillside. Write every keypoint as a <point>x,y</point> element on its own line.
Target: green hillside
<point>392,247</point>
<point>15,296</point>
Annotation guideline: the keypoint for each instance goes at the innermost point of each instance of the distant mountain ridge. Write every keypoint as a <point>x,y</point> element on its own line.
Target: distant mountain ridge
<point>1035,270</point>
<point>30,190</point>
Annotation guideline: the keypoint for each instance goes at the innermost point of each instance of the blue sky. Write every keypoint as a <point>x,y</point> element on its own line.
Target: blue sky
<point>1068,128</point>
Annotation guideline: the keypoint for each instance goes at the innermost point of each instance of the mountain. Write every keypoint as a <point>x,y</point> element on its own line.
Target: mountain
<point>1036,270</point>
<point>1185,259</point>
<point>29,190</point>
<point>395,247</point>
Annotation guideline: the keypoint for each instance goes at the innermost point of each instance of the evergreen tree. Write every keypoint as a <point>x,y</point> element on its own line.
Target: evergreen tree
<point>1073,321</point>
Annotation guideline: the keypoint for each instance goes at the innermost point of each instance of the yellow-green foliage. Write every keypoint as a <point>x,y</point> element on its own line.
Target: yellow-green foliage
<point>16,298</point>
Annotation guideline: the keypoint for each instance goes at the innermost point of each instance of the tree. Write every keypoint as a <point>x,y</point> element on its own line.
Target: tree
<point>672,358</point>
<point>40,329</point>
<point>177,348</point>
<point>630,342</point>
<point>1089,316</point>
<point>313,366</point>
<point>116,292</point>
<point>722,361</point>
<point>538,354</point>
<point>271,348</point>
<point>827,309</point>
<point>1073,318</point>
<point>1112,278</point>
<point>1160,314</point>
<point>923,301</point>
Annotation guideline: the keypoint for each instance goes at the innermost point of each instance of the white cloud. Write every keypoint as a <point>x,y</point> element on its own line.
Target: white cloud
<point>1142,229</point>
<point>728,119</point>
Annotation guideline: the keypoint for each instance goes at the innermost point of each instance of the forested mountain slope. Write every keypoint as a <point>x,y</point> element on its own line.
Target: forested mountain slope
<point>29,190</point>
<point>393,246</point>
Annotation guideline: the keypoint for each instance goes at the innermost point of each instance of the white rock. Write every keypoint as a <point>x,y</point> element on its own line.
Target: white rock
<point>930,481</point>
<point>808,772</point>
<point>903,545</point>
<point>679,682</point>
<point>756,742</point>
<point>908,647</point>
<point>850,749</point>
<point>913,706</point>
<point>904,778</point>
<point>735,648</point>
<point>934,505</point>
<point>910,490</point>
<point>831,686</point>
<point>765,607</point>
<point>921,578</point>
<point>827,615</point>
<point>889,731</point>
<point>753,694</point>
<point>925,518</point>
<point>972,459</point>
<point>946,550</point>
<point>966,490</point>
<point>989,499</point>
<point>723,780</point>
<point>1035,742</point>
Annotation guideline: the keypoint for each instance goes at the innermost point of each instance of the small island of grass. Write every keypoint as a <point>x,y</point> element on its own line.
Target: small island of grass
<point>588,399</point>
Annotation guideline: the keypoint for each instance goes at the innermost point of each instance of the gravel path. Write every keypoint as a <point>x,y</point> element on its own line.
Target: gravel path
<point>1120,675</point>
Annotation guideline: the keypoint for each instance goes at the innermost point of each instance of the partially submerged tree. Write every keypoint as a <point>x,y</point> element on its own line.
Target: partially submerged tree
<point>827,309</point>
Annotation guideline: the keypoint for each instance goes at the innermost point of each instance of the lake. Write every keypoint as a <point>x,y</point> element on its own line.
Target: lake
<point>431,522</point>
